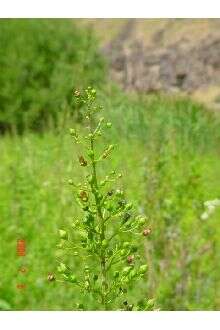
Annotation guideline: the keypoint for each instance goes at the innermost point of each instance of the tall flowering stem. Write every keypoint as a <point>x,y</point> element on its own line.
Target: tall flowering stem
<point>104,237</point>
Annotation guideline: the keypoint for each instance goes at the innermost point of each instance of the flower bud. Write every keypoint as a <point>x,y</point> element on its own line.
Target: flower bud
<point>72,279</point>
<point>123,290</point>
<point>62,268</point>
<point>104,243</point>
<point>51,277</point>
<point>141,220</point>
<point>65,276</point>
<point>63,234</point>
<point>86,268</point>
<point>83,196</point>
<point>143,269</point>
<point>129,206</point>
<point>133,273</point>
<point>77,93</point>
<point>130,259</point>
<point>108,125</point>
<point>93,92</point>
<point>150,303</point>
<point>126,244</point>
<point>107,151</point>
<point>82,161</point>
<point>74,224</point>
<point>126,270</point>
<point>73,132</point>
<point>70,182</point>
<point>146,231</point>
<point>119,193</point>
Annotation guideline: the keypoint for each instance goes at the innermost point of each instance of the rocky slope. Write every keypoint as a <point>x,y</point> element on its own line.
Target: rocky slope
<point>164,55</point>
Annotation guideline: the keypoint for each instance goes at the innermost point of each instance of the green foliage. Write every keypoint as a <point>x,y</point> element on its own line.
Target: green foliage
<point>103,234</point>
<point>168,151</point>
<point>168,174</point>
<point>156,120</point>
<point>42,60</point>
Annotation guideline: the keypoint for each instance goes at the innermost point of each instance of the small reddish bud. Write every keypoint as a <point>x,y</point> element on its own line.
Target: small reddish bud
<point>146,231</point>
<point>130,259</point>
<point>77,93</point>
<point>82,161</point>
<point>83,195</point>
<point>51,277</point>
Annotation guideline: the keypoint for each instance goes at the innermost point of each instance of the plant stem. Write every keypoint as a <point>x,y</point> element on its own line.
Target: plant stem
<point>102,225</point>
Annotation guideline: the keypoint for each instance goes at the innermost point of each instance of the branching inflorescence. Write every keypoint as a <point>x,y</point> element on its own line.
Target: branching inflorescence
<point>105,235</point>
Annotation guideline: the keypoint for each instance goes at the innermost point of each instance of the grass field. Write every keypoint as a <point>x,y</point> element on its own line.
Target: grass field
<point>168,153</point>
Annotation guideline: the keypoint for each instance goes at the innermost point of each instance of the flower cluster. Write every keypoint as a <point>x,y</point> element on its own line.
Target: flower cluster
<point>210,207</point>
<point>103,237</point>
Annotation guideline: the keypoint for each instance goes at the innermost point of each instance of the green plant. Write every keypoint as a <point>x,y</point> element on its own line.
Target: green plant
<point>104,236</point>
<point>183,249</point>
<point>175,193</point>
<point>41,62</point>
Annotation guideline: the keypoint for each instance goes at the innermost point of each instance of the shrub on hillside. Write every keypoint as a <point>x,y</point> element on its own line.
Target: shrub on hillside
<point>42,60</point>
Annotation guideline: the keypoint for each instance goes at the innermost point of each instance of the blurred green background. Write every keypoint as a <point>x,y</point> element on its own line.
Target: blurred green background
<point>168,152</point>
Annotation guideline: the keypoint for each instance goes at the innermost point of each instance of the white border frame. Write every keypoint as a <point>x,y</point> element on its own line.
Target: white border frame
<point>110,320</point>
<point>111,8</point>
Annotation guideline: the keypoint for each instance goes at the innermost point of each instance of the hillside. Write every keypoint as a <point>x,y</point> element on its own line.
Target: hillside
<point>163,55</point>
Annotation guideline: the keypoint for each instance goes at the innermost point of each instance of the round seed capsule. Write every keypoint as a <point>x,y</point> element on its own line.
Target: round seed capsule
<point>51,277</point>
<point>146,231</point>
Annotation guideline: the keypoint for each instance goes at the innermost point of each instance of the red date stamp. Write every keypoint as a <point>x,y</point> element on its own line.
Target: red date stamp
<point>21,252</point>
<point>21,286</point>
<point>21,247</point>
